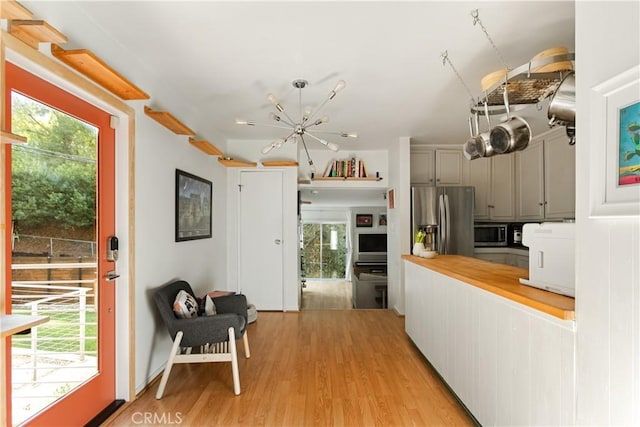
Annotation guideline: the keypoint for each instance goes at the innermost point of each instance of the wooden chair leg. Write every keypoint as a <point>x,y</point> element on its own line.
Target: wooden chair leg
<point>245,339</point>
<point>167,370</point>
<point>234,361</point>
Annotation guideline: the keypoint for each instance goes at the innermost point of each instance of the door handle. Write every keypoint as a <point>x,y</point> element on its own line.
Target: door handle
<point>277,241</point>
<point>111,276</point>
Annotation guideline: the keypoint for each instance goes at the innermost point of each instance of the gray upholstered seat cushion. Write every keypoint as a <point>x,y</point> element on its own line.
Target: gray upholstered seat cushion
<point>232,312</point>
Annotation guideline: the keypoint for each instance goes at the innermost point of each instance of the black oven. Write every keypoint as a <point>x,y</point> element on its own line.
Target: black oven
<point>490,235</point>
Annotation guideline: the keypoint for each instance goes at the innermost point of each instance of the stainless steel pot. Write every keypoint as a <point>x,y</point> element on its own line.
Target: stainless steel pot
<point>562,108</point>
<point>479,145</point>
<point>469,149</point>
<point>509,136</point>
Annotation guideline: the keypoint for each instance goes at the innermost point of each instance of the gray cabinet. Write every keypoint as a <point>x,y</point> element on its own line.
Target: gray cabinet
<point>434,166</point>
<point>546,178</point>
<point>422,166</point>
<point>494,182</point>
<point>559,176</point>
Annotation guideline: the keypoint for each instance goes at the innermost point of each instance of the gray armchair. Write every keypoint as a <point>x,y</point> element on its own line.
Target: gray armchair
<point>203,338</point>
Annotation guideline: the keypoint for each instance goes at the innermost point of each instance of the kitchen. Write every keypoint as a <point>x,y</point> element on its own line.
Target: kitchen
<point>514,212</point>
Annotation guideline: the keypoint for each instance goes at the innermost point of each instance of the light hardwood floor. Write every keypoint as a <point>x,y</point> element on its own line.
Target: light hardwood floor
<point>308,368</point>
<point>327,295</point>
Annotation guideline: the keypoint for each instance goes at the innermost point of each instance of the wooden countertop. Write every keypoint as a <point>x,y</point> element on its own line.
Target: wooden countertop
<point>499,279</point>
<point>14,323</point>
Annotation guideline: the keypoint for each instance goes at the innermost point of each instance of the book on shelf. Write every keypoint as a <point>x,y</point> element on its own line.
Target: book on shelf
<point>346,168</point>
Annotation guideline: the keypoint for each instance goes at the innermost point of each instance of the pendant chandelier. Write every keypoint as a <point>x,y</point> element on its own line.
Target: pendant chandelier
<point>305,125</point>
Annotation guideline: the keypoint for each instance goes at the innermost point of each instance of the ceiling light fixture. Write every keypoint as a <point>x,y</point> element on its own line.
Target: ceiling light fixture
<point>304,126</point>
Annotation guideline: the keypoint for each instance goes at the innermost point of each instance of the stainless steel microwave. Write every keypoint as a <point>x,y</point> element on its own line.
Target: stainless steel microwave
<point>490,235</point>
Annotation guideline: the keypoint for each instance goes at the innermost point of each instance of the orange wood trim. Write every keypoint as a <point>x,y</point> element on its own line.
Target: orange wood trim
<point>12,138</point>
<point>87,63</point>
<point>11,9</point>
<point>35,32</point>
<point>237,163</point>
<point>99,391</point>
<point>279,163</point>
<point>167,120</point>
<point>206,147</point>
<point>499,279</point>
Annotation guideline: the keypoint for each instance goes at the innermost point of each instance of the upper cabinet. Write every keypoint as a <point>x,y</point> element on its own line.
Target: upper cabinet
<point>448,167</point>
<point>434,166</point>
<point>494,182</point>
<point>546,178</point>
<point>502,188</point>
<point>534,184</point>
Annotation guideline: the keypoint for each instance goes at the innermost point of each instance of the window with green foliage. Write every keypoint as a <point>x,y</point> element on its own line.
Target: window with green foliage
<point>324,248</point>
<point>54,175</point>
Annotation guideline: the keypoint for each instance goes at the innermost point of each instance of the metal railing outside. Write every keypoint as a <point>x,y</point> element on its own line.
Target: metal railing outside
<point>61,354</point>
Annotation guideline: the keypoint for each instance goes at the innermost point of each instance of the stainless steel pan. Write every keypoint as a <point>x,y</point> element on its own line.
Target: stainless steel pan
<point>562,108</point>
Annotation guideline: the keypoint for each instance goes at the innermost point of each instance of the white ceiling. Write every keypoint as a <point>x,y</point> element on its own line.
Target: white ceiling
<point>212,62</point>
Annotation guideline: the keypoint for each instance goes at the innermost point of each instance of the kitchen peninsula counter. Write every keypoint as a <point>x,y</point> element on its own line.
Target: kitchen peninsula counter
<point>499,279</point>
<point>506,350</point>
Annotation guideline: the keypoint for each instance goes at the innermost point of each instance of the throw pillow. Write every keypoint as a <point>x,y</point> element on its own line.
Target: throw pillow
<point>185,305</point>
<point>216,294</point>
<point>206,307</point>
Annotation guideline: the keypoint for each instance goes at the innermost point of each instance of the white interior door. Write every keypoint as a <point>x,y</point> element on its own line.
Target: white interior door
<point>260,241</point>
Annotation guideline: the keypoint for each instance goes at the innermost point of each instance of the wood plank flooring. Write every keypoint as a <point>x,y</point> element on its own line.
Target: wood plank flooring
<point>308,368</point>
<point>327,295</point>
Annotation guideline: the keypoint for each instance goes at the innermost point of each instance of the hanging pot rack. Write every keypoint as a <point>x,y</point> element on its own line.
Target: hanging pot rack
<point>525,86</point>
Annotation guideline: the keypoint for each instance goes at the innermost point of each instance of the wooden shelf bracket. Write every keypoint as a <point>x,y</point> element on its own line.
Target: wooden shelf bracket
<point>206,147</point>
<point>169,121</point>
<point>86,62</point>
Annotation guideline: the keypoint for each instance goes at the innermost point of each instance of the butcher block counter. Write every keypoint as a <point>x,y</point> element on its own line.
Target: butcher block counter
<point>499,279</point>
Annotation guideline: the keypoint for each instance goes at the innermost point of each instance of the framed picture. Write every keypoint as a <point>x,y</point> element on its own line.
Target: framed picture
<point>391,198</point>
<point>364,220</point>
<point>193,207</point>
<point>382,220</point>
<point>615,152</point>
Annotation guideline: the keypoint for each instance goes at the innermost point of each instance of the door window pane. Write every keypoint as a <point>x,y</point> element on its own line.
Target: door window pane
<point>53,198</point>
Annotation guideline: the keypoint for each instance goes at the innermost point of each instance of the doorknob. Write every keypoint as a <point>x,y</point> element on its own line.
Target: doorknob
<point>277,241</point>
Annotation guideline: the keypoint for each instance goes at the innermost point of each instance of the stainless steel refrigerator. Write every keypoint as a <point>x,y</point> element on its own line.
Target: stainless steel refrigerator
<point>447,214</point>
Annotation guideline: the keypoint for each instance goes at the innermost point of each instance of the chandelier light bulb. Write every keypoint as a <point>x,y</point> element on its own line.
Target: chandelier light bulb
<point>325,119</point>
<point>268,148</point>
<point>312,166</point>
<point>272,99</point>
<point>307,113</point>
<point>245,122</point>
<point>339,86</point>
<point>274,116</point>
<point>331,146</point>
<point>278,143</point>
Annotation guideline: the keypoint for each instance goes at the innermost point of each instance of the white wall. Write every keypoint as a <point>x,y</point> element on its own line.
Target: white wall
<point>159,259</point>
<point>375,212</point>
<point>398,220</point>
<point>608,254</point>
